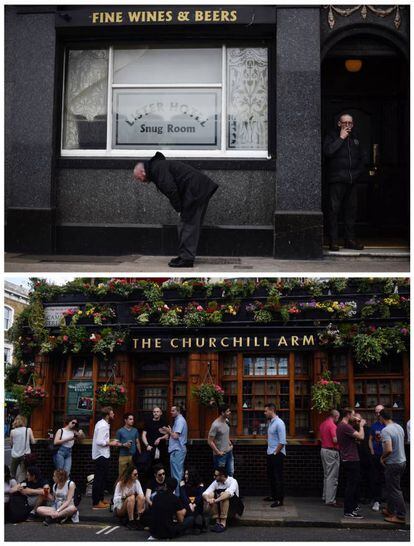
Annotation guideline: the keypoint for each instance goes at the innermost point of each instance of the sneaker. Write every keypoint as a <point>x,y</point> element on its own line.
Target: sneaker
<point>151,538</point>
<point>47,521</point>
<point>218,528</point>
<point>376,506</point>
<point>353,515</point>
<point>357,509</point>
<point>100,506</point>
<point>276,504</point>
<point>131,525</point>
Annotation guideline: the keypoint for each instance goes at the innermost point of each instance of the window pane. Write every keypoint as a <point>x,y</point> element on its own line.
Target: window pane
<point>174,119</point>
<point>173,65</point>
<point>85,99</point>
<point>7,317</point>
<point>247,98</point>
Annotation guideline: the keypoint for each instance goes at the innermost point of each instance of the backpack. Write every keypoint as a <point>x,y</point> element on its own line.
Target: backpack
<point>18,508</point>
<point>77,496</point>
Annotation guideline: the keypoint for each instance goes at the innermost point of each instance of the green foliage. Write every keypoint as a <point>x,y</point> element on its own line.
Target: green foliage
<point>326,394</point>
<point>209,394</point>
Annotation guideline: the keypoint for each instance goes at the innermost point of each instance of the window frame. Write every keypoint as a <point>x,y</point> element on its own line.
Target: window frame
<point>11,316</point>
<point>222,153</point>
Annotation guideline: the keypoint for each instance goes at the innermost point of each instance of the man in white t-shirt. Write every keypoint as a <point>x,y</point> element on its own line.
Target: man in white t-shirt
<point>100,454</point>
<point>218,496</point>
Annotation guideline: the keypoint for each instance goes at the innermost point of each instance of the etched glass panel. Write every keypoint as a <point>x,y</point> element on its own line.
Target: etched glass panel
<point>247,98</point>
<point>154,65</point>
<point>85,110</point>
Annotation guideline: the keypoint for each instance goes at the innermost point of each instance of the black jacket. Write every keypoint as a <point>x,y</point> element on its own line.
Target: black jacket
<point>345,160</point>
<point>185,187</point>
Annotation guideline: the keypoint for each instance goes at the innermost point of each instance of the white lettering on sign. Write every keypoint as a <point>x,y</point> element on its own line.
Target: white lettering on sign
<point>54,314</point>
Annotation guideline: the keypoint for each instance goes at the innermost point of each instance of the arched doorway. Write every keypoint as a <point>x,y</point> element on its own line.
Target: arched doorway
<point>377,96</point>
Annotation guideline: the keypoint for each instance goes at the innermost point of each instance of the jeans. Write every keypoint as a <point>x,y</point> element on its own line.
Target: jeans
<point>63,458</point>
<point>99,480</point>
<point>225,461</point>
<point>177,459</point>
<point>275,475</point>
<point>330,463</point>
<point>395,500</point>
<point>352,472</point>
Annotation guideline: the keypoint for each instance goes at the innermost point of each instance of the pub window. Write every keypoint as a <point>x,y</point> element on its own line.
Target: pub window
<point>338,365</point>
<point>82,367</point>
<point>302,392</point>
<point>8,317</point>
<point>161,380</point>
<point>211,100</point>
<point>258,390</point>
<point>59,366</point>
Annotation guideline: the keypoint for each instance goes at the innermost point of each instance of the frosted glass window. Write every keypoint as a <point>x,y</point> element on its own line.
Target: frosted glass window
<point>167,66</point>
<point>247,96</point>
<point>85,109</point>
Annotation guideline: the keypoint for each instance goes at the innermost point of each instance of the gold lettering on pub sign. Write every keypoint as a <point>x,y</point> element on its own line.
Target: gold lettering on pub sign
<point>150,343</point>
<point>163,16</point>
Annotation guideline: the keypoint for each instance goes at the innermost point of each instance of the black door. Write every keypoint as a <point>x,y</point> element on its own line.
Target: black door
<point>377,97</point>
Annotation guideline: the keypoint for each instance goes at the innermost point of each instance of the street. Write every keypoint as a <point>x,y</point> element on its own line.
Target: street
<point>84,532</point>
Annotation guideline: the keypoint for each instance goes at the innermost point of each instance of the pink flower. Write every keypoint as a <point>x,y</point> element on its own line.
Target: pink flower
<point>65,338</point>
<point>122,390</point>
<point>199,308</point>
<point>404,331</point>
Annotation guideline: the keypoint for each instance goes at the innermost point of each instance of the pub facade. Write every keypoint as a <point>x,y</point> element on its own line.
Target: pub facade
<point>259,342</point>
<point>243,93</point>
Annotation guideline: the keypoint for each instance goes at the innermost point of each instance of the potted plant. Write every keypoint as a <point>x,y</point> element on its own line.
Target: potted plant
<point>209,394</point>
<point>33,395</point>
<point>111,394</point>
<point>326,394</point>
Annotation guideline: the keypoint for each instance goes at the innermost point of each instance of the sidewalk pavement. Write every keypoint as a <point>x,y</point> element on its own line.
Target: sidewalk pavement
<point>296,512</point>
<point>371,260</point>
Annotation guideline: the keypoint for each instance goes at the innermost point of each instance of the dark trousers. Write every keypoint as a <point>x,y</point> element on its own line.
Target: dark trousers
<point>352,473</point>
<point>189,232</point>
<point>395,500</point>
<point>275,476</point>
<point>377,478</point>
<point>341,193</point>
<point>100,479</point>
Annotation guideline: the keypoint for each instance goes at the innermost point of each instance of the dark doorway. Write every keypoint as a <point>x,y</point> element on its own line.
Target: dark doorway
<point>377,96</point>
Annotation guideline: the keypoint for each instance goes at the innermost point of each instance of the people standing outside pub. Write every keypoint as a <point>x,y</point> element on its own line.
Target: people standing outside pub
<point>347,441</point>
<point>177,445</point>
<point>101,453</point>
<point>276,453</point>
<point>344,166</point>
<point>64,440</point>
<point>394,460</point>
<point>377,469</point>
<point>129,443</point>
<point>219,441</point>
<point>155,442</point>
<point>21,437</point>
<point>189,192</point>
<point>330,458</point>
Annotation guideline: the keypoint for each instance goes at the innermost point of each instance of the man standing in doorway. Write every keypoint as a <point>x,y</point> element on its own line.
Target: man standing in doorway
<point>101,453</point>
<point>377,469</point>
<point>219,441</point>
<point>347,437</point>
<point>189,192</point>
<point>128,439</point>
<point>394,460</point>
<point>177,445</point>
<point>330,458</point>
<point>344,165</point>
<point>276,453</point>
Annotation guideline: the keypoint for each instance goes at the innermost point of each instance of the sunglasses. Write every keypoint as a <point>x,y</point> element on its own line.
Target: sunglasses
<point>73,422</point>
<point>135,474</point>
<point>161,474</point>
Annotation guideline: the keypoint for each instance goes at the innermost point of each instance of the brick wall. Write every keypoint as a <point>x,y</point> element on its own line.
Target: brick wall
<point>303,469</point>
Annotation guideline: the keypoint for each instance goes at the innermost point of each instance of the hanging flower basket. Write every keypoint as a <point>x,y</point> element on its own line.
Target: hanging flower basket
<point>326,394</point>
<point>111,394</point>
<point>33,396</point>
<point>209,394</point>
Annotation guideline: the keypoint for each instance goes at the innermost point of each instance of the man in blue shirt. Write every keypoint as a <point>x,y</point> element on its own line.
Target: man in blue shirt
<point>276,453</point>
<point>129,443</point>
<point>177,445</point>
<point>377,469</point>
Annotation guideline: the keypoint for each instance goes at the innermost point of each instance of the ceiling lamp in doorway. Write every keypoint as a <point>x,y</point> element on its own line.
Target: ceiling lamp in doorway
<point>353,65</point>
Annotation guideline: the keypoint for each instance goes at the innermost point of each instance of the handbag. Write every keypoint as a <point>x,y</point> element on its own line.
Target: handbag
<point>18,508</point>
<point>51,445</point>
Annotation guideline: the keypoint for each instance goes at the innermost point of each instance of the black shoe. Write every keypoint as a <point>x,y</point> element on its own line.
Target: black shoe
<point>353,245</point>
<point>268,499</point>
<point>181,263</point>
<point>276,504</point>
<point>174,260</point>
<point>131,525</point>
<point>47,521</point>
<point>334,247</point>
<point>353,515</point>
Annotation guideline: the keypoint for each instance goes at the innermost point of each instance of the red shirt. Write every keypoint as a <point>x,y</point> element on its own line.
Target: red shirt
<point>327,432</point>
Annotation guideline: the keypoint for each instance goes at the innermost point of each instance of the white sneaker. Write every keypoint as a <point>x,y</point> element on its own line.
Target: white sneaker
<point>376,506</point>
<point>151,538</point>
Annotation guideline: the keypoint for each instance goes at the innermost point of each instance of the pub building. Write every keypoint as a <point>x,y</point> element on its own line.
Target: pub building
<point>244,93</point>
<point>276,360</point>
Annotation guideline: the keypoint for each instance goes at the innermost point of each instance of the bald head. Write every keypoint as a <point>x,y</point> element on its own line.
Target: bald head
<point>378,409</point>
<point>139,172</point>
<point>335,415</point>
